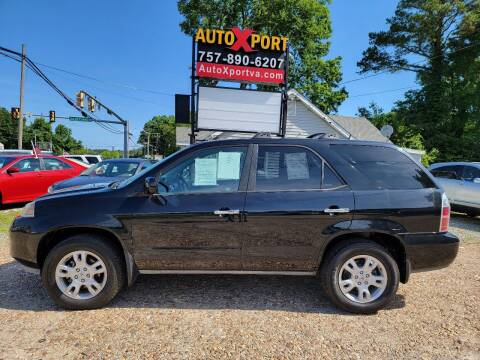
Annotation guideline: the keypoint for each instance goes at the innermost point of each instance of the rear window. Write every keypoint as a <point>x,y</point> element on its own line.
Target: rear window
<point>368,167</point>
<point>91,159</point>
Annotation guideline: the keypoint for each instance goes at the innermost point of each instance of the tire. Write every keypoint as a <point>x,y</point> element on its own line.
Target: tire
<point>336,269</point>
<point>104,280</point>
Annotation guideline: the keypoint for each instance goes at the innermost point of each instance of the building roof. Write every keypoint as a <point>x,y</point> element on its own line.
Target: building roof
<point>359,127</point>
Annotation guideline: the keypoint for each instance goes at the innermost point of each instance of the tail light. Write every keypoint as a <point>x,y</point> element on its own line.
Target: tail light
<point>445,218</point>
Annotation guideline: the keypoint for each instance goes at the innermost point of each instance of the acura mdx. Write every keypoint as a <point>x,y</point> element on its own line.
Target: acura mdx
<point>362,216</point>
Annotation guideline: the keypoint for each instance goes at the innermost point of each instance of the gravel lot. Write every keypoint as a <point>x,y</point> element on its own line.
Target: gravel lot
<point>436,315</point>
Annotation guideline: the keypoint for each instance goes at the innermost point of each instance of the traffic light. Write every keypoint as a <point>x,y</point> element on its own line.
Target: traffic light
<point>91,104</point>
<point>80,99</point>
<point>15,113</point>
<point>51,116</point>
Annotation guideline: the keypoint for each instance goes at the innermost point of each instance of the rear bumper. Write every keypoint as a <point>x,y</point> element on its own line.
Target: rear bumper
<point>430,251</point>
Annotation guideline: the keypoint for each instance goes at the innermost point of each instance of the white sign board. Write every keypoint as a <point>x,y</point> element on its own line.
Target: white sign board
<point>229,165</point>
<point>239,110</point>
<point>205,172</point>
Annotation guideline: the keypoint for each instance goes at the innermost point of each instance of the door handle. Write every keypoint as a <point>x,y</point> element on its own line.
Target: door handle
<point>333,211</point>
<point>226,212</point>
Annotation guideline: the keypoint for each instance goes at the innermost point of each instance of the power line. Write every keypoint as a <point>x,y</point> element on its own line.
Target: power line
<point>106,82</point>
<point>415,63</point>
<point>380,92</point>
<point>31,65</point>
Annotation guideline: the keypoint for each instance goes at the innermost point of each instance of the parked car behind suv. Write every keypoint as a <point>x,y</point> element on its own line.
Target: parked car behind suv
<point>461,181</point>
<point>87,159</point>
<point>363,216</point>
<point>104,172</point>
<point>25,177</point>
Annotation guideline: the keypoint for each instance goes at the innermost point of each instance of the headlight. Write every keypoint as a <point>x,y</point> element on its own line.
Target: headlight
<point>29,210</point>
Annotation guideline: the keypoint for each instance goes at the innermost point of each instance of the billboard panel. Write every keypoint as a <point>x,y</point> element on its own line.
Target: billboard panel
<point>238,110</point>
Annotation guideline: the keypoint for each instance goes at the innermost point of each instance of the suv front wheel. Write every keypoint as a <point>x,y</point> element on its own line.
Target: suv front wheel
<point>83,272</point>
<point>360,277</point>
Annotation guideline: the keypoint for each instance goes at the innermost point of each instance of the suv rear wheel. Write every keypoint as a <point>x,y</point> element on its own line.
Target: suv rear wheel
<point>360,277</point>
<point>83,272</point>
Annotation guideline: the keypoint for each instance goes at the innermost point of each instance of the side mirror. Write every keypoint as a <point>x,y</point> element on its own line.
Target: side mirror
<point>476,180</point>
<point>150,185</point>
<point>13,170</point>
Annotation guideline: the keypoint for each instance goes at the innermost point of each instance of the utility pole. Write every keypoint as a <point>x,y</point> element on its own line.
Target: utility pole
<point>125,139</point>
<point>22,79</point>
<point>148,145</point>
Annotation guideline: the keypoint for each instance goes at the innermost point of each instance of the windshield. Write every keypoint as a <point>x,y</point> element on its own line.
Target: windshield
<point>112,169</point>
<point>4,160</point>
<point>141,173</point>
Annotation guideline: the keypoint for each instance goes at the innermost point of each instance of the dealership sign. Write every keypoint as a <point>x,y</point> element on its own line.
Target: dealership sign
<point>240,55</point>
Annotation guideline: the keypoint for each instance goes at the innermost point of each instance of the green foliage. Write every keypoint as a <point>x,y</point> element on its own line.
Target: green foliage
<point>306,23</point>
<point>39,130</point>
<point>162,135</point>
<point>439,40</point>
<point>403,134</point>
<point>8,130</point>
<point>63,140</point>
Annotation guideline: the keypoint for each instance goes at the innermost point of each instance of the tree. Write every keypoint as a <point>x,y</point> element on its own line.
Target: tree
<point>160,133</point>
<point>8,130</point>
<point>438,40</point>
<point>306,23</point>
<point>63,141</point>
<point>403,134</point>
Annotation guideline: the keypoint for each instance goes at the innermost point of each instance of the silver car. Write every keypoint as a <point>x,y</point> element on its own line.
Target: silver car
<point>461,182</point>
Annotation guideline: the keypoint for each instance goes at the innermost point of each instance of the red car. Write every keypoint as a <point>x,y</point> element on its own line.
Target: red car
<point>26,177</point>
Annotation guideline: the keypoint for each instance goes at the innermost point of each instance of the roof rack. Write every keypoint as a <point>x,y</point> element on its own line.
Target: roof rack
<point>262,135</point>
<point>323,136</point>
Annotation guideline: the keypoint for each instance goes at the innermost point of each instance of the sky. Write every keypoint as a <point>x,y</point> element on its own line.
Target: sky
<point>136,58</point>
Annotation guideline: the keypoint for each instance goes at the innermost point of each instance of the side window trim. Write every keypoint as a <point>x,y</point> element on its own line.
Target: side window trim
<point>253,172</point>
<point>244,176</point>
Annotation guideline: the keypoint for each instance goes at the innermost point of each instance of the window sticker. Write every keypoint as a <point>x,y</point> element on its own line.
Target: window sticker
<point>297,166</point>
<point>229,165</point>
<point>205,172</point>
<point>272,164</point>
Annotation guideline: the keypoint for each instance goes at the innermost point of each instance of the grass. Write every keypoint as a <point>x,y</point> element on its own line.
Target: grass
<point>6,218</point>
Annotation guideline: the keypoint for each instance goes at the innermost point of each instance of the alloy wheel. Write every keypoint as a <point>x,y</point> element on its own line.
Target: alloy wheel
<point>362,279</point>
<point>81,275</point>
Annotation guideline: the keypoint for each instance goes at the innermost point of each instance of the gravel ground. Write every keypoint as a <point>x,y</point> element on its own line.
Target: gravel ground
<point>435,316</point>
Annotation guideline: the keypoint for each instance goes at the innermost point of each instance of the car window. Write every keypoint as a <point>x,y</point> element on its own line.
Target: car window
<point>470,173</point>
<point>209,170</point>
<point>287,168</point>
<point>4,160</point>
<point>113,169</point>
<point>27,165</point>
<point>91,159</point>
<point>453,172</point>
<point>330,180</point>
<point>55,164</point>
<point>147,164</point>
<point>369,167</point>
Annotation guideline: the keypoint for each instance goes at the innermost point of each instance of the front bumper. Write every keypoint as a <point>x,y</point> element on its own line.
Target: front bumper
<point>24,242</point>
<point>430,251</point>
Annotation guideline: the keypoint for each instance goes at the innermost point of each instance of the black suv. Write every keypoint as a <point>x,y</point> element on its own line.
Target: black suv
<point>361,215</point>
